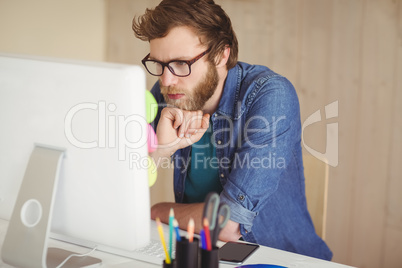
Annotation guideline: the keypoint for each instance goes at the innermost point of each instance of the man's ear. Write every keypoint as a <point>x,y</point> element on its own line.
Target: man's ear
<point>223,58</point>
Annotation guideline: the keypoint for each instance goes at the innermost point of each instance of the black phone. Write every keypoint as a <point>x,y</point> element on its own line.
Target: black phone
<point>236,252</point>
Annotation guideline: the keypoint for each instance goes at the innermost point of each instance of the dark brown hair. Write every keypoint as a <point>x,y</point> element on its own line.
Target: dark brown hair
<point>208,20</point>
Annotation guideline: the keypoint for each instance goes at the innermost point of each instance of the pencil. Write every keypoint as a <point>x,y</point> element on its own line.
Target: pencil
<point>160,230</point>
<point>171,218</point>
<point>207,234</point>
<point>190,230</point>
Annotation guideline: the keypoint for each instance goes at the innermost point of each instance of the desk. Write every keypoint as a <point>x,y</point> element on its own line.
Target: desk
<point>262,255</point>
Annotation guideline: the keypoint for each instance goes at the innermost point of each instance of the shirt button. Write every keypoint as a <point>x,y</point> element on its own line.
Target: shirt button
<point>219,141</point>
<point>241,197</point>
<point>222,175</point>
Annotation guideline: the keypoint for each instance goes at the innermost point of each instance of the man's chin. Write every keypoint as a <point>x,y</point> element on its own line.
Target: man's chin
<point>183,105</point>
<point>176,104</point>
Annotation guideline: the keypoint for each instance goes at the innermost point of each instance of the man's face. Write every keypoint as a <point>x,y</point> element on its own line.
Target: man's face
<point>194,98</point>
<point>193,91</point>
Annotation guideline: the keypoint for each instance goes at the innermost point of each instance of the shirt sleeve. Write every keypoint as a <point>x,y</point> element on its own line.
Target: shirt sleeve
<point>270,131</point>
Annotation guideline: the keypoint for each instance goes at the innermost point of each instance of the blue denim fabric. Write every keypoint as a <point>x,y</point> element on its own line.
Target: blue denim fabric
<point>257,131</point>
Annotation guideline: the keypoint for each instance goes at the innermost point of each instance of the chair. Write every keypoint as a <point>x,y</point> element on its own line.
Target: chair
<point>316,174</point>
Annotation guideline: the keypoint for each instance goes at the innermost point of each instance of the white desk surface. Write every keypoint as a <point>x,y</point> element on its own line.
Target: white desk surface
<point>264,255</point>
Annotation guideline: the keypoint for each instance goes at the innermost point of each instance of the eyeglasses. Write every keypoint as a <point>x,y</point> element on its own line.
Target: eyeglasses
<point>179,68</point>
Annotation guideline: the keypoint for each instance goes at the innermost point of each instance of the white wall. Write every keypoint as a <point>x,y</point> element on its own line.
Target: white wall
<point>67,29</point>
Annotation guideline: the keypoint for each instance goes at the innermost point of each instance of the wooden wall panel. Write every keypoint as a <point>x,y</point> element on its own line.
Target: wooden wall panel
<point>392,239</point>
<point>373,130</point>
<point>122,46</point>
<point>349,51</point>
<point>343,86</point>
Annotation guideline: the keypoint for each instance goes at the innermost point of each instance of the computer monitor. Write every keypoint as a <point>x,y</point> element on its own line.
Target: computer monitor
<point>94,113</point>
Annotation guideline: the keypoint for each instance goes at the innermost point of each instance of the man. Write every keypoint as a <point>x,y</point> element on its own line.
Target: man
<point>229,127</point>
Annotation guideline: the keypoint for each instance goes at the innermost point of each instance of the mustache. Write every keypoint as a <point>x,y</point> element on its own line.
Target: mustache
<point>171,90</point>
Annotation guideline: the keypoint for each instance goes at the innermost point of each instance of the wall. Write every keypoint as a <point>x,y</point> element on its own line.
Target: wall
<point>66,29</point>
<point>342,52</point>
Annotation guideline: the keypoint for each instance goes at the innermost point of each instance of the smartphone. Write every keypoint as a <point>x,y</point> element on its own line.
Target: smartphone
<point>236,252</point>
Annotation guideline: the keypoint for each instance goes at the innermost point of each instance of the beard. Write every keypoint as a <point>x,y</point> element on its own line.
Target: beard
<point>198,96</point>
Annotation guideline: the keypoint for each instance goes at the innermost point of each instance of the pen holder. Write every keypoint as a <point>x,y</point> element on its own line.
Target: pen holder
<point>168,265</point>
<point>210,258</point>
<point>187,253</point>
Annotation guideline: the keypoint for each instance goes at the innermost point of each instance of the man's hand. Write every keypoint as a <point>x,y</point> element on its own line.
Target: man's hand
<point>183,212</point>
<point>178,129</point>
<point>231,232</point>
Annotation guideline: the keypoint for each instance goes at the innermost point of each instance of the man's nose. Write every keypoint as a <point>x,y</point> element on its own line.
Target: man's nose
<point>168,78</point>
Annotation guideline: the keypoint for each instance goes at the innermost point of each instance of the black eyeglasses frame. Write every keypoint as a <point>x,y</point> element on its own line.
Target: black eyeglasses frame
<point>163,64</point>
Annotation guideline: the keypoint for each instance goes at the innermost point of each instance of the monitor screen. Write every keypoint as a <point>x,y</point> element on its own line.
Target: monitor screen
<point>95,112</point>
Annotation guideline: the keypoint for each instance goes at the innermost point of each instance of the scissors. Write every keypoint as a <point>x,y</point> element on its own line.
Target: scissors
<point>217,215</point>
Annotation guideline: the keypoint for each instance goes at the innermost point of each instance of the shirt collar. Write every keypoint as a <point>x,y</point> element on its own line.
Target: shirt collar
<point>230,94</point>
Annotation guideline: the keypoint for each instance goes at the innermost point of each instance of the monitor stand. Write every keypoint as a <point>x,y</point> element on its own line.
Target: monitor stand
<point>25,243</point>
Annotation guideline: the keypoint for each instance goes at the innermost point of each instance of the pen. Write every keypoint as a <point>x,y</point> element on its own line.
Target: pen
<point>190,230</point>
<point>171,218</point>
<point>203,242</point>
<point>176,227</point>
<point>160,230</point>
<point>207,234</point>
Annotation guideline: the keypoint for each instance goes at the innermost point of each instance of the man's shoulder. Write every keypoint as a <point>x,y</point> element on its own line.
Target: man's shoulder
<point>251,79</point>
<point>250,83</point>
<point>256,73</point>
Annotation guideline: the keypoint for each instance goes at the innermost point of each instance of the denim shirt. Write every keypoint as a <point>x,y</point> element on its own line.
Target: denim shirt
<point>257,133</point>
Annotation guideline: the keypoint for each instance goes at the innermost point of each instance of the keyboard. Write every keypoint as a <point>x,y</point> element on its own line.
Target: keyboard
<point>154,248</point>
<point>153,252</point>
